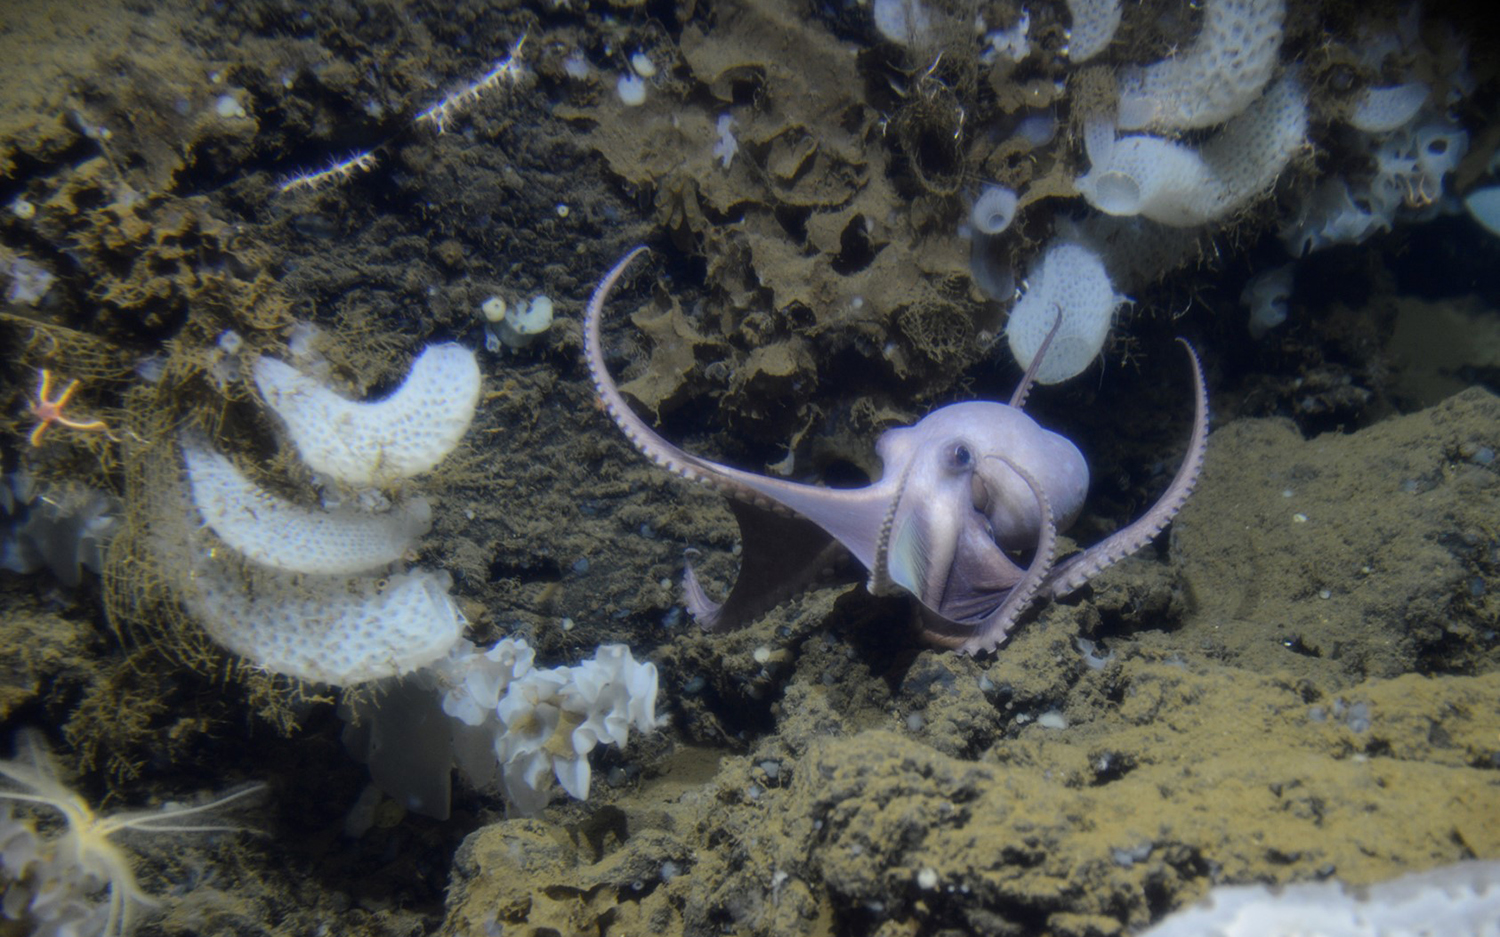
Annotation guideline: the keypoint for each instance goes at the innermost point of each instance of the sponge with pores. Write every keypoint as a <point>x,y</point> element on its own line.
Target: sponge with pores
<point>1178,185</point>
<point>328,629</point>
<point>276,533</point>
<point>1215,78</point>
<point>403,435</point>
<point>1071,282</point>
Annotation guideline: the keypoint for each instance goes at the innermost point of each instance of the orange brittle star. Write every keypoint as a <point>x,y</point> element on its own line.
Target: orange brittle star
<point>48,412</point>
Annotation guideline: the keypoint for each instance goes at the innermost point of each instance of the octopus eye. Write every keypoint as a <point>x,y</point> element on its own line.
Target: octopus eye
<point>959,457</point>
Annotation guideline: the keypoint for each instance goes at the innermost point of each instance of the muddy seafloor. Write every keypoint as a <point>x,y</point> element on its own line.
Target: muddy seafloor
<point>1298,681</point>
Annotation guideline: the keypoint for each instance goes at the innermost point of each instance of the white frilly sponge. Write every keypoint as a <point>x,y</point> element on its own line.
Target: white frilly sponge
<point>376,443</point>
<point>542,724</point>
<point>1071,282</point>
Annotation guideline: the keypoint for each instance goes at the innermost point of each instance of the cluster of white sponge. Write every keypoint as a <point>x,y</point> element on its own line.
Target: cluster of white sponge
<point>1411,163</point>
<point>316,597</point>
<point>1070,283</point>
<point>542,724</point>
<point>1411,142</point>
<point>1175,184</point>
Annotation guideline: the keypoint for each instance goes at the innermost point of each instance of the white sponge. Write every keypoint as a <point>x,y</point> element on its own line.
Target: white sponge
<point>1381,110</point>
<point>616,693</point>
<point>276,533</point>
<point>376,443</point>
<point>994,210</point>
<point>1266,296</point>
<point>1094,25</point>
<point>1460,900</point>
<point>1176,185</point>
<point>1071,282</point>
<point>1215,78</point>
<point>474,682</point>
<point>543,723</point>
<point>328,629</point>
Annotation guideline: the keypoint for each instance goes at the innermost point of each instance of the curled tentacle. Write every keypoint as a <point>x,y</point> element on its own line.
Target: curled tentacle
<point>994,629</point>
<point>1077,570</point>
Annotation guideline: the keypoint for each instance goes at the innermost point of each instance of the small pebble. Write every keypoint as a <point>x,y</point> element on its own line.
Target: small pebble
<point>227,107</point>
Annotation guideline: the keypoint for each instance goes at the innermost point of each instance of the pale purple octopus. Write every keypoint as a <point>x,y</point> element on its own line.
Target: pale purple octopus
<point>962,489</point>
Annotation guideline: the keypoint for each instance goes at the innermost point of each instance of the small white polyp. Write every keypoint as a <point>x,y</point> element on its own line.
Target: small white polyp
<point>403,435</point>
<point>276,533</point>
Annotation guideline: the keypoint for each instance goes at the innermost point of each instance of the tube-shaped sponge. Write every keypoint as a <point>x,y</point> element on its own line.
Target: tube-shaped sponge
<point>1070,282</point>
<point>405,434</point>
<point>1094,25</point>
<point>329,629</point>
<point>994,210</point>
<point>272,532</point>
<point>1216,78</point>
<point>1174,184</point>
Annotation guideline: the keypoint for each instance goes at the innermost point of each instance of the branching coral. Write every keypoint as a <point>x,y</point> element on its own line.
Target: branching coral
<point>85,855</point>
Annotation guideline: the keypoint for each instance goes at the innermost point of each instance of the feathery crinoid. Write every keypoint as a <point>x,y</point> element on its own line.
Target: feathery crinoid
<point>88,838</point>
